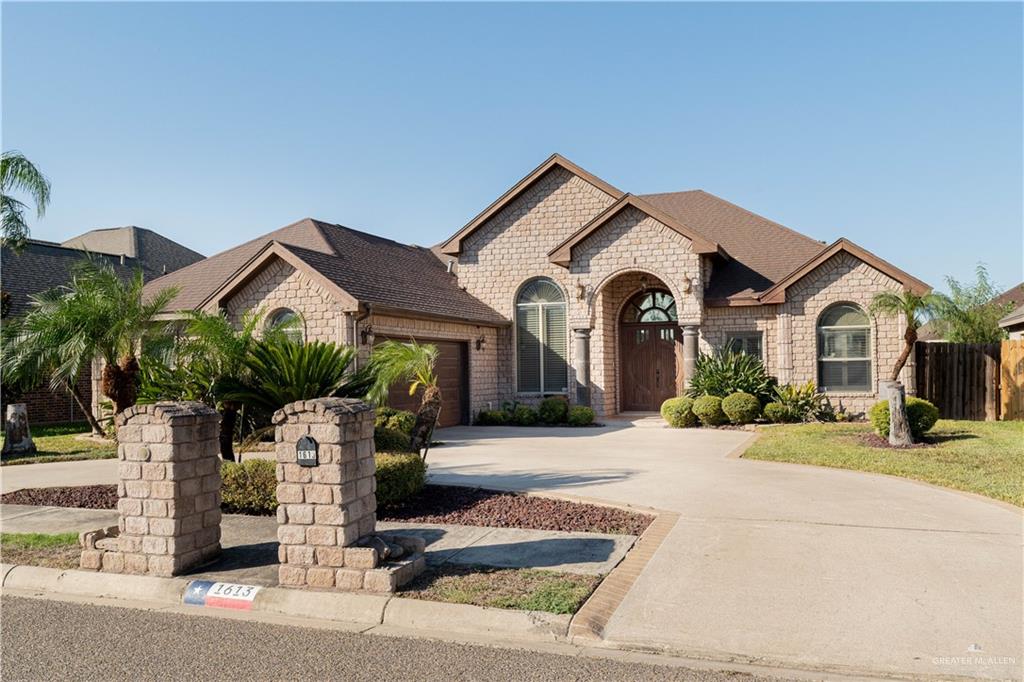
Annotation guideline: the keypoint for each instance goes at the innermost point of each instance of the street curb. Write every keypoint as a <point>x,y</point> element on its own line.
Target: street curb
<point>344,607</point>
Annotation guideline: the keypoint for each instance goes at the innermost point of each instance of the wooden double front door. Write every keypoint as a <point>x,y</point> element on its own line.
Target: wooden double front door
<point>648,361</point>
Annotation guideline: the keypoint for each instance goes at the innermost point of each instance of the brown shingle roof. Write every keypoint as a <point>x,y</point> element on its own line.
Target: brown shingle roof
<point>762,251</point>
<point>371,269</point>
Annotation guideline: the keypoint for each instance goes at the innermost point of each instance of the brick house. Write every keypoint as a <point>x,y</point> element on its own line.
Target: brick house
<point>566,285</point>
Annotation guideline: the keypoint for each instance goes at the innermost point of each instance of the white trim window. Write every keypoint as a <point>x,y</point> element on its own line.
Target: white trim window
<point>289,321</point>
<point>844,349</point>
<point>749,343</point>
<point>541,345</point>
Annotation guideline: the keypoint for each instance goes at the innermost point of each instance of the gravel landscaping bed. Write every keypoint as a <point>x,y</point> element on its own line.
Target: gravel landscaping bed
<point>436,504</point>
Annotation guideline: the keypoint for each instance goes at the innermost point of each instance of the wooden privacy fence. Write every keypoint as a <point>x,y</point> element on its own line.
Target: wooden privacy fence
<point>961,379</point>
<point>1011,380</point>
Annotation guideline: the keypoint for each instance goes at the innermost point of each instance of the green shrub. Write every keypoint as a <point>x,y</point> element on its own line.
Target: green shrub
<point>553,410</point>
<point>777,413</point>
<point>492,418</point>
<point>383,414</point>
<point>722,374</point>
<point>580,415</point>
<point>249,487</point>
<point>921,416</point>
<point>708,409</point>
<point>391,440</point>
<point>399,476</point>
<point>741,408</point>
<point>399,420</point>
<point>805,403</point>
<point>524,415</point>
<point>678,412</point>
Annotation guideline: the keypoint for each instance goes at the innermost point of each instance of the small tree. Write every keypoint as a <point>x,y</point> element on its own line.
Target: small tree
<point>915,310</point>
<point>394,361</point>
<point>18,174</point>
<point>97,314</point>
<point>971,314</point>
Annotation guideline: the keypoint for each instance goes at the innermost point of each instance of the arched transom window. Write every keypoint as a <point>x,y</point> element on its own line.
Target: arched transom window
<point>844,349</point>
<point>650,307</point>
<point>541,339</point>
<point>288,321</point>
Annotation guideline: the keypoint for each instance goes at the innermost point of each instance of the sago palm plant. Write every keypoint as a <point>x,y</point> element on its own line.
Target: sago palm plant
<point>393,362</point>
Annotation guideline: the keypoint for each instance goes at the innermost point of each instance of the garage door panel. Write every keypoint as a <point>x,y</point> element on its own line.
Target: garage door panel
<point>452,373</point>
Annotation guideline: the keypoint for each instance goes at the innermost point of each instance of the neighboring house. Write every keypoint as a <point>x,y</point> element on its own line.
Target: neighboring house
<point>1014,324</point>
<point>568,286</point>
<point>43,265</point>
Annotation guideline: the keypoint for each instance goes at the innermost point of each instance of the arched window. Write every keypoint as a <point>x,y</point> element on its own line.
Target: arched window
<point>289,322</point>
<point>541,339</point>
<point>844,349</point>
<point>651,307</point>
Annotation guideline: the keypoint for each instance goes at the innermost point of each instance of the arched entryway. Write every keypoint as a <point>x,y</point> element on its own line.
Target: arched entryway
<point>648,331</point>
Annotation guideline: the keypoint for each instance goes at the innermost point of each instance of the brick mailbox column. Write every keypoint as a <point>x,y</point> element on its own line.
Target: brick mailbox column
<point>168,493</point>
<point>327,505</point>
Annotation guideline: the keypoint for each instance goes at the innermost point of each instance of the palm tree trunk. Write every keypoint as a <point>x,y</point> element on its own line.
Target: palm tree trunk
<point>121,383</point>
<point>426,419</point>
<point>909,338</point>
<point>76,395</point>
<point>228,419</point>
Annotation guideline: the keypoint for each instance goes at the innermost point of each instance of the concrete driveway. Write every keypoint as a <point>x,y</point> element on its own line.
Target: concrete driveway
<point>788,564</point>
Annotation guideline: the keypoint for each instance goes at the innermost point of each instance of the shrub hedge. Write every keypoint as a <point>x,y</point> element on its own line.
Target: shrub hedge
<point>921,415</point>
<point>524,415</point>
<point>678,412</point>
<point>553,410</point>
<point>708,409</point>
<point>391,440</point>
<point>492,418</point>
<point>741,408</point>
<point>399,476</point>
<point>249,487</point>
<point>778,413</point>
<point>580,415</point>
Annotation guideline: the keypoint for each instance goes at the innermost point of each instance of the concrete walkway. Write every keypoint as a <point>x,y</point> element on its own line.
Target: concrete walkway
<point>250,543</point>
<point>798,565</point>
<point>49,474</point>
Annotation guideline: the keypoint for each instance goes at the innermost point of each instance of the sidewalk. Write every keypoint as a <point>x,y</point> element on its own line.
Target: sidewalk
<point>53,474</point>
<point>250,543</point>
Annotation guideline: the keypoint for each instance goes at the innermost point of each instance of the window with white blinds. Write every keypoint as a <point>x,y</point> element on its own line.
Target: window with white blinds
<point>844,349</point>
<point>541,340</point>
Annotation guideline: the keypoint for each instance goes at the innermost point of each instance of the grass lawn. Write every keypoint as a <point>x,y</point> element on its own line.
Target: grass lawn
<point>503,588</point>
<point>980,457</point>
<point>40,549</point>
<point>58,444</point>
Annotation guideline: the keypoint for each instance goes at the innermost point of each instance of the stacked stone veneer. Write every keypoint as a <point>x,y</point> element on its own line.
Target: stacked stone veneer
<point>168,493</point>
<point>327,513</point>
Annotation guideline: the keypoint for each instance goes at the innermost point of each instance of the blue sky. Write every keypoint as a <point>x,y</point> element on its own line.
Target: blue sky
<point>898,126</point>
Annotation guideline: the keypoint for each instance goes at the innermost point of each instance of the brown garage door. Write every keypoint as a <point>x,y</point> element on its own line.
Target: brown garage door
<point>452,371</point>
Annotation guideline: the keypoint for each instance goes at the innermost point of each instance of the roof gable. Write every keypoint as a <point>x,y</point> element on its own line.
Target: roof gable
<point>453,246</point>
<point>562,254</point>
<point>777,293</point>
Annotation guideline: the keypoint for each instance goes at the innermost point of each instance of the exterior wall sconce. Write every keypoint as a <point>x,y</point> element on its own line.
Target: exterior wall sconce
<point>687,285</point>
<point>581,291</point>
<point>481,342</point>
<point>366,335</point>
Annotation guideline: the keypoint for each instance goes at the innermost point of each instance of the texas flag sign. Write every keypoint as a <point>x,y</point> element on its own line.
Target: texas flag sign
<point>222,595</point>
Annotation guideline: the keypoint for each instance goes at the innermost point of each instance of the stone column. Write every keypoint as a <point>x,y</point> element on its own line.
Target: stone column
<point>581,356</point>
<point>327,506</point>
<point>690,342</point>
<point>168,494</point>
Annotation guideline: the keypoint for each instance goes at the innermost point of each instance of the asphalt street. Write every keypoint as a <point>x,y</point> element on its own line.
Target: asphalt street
<point>52,640</point>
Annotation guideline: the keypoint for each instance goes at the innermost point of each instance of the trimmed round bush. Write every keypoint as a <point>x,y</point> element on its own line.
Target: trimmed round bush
<point>678,412</point>
<point>524,415</point>
<point>777,413</point>
<point>708,409</point>
<point>249,487</point>
<point>741,408</point>
<point>921,416</point>
<point>492,418</point>
<point>391,440</point>
<point>553,410</point>
<point>580,415</point>
<point>399,476</point>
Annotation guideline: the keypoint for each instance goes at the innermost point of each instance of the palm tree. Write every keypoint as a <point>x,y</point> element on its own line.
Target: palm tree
<point>97,314</point>
<point>205,364</point>
<point>916,310</point>
<point>18,174</point>
<point>394,361</point>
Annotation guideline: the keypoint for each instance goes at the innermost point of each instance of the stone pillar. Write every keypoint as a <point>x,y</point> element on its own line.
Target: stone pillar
<point>168,494</point>
<point>327,505</point>
<point>784,338</point>
<point>581,357</point>
<point>690,342</point>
